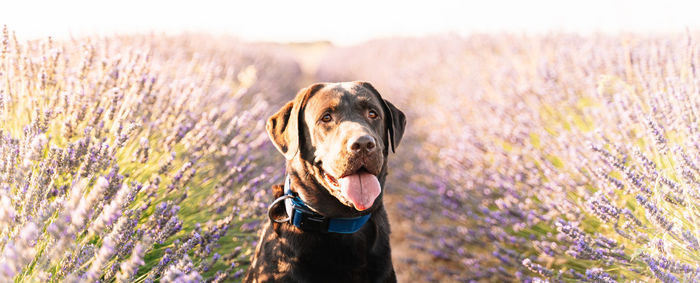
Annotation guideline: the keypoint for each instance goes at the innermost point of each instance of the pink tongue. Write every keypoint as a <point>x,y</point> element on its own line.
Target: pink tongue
<point>361,189</point>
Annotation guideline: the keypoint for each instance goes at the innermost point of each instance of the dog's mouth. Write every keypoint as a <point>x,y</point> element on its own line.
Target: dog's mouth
<point>331,180</point>
<point>359,188</point>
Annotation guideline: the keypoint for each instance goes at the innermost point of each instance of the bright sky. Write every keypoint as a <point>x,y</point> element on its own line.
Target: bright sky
<point>343,22</point>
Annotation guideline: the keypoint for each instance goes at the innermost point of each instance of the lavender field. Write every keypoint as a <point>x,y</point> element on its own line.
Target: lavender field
<point>556,158</point>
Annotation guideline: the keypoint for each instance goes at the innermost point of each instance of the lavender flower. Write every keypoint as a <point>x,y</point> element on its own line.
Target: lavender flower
<point>85,122</point>
<point>536,268</point>
<point>129,268</point>
<point>19,252</point>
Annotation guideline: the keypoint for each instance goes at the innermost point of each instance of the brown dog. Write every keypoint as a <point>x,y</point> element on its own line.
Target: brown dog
<point>328,223</point>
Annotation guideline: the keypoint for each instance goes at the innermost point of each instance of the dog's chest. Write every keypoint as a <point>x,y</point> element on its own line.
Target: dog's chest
<point>302,257</point>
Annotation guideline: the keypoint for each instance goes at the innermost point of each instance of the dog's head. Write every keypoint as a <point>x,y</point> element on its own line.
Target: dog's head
<point>336,138</point>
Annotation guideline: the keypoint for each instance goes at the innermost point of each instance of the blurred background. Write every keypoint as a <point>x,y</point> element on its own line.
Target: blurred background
<point>546,140</point>
<point>342,23</point>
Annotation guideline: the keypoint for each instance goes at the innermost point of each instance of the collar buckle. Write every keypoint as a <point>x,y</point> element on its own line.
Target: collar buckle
<point>309,222</point>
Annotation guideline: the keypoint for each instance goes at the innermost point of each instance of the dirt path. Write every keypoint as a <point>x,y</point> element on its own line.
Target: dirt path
<point>309,56</point>
<point>400,245</point>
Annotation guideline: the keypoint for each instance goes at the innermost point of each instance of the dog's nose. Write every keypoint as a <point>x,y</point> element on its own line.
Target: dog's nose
<point>365,142</point>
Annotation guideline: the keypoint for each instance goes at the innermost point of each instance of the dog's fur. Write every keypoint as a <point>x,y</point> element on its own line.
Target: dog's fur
<point>314,147</point>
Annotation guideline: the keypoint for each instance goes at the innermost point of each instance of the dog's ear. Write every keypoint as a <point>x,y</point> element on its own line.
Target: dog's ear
<point>283,127</point>
<point>395,122</point>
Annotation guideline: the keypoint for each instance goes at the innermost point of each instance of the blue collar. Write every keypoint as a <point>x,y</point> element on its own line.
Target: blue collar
<point>305,218</point>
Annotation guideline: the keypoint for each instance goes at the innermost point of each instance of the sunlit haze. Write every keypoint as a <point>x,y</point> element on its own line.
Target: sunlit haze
<point>343,22</point>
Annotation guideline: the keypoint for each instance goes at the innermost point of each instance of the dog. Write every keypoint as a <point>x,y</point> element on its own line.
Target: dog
<point>328,222</point>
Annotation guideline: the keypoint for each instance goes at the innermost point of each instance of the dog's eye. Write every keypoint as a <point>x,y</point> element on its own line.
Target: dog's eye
<point>372,114</point>
<point>326,118</point>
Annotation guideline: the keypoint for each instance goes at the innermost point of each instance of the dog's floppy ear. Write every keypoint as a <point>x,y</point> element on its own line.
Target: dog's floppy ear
<point>283,126</point>
<point>397,124</point>
<point>396,120</point>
